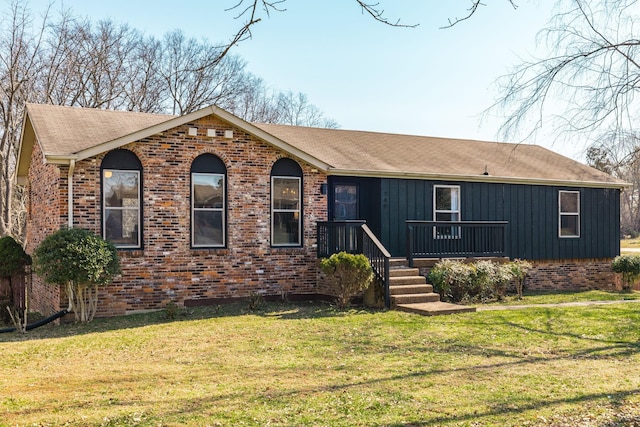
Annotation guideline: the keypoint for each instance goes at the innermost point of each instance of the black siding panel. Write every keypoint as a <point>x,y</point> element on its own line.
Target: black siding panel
<point>532,213</point>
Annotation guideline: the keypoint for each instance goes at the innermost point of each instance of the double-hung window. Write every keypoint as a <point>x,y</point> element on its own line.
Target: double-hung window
<point>208,201</point>
<point>446,207</point>
<point>286,203</point>
<point>569,213</point>
<point>121,202</point>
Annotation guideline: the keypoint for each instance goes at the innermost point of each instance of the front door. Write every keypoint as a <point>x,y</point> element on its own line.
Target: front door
<point>345,202</point>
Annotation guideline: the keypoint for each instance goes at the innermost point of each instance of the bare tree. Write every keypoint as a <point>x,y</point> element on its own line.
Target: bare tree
<point>588,83</point>
<point>89,65</point>
<point>295,109</point>
<point>19,63</point>
<point>197,74</point>
<point>619,155</point>
<point>257,103</point>
<point>71,61</point>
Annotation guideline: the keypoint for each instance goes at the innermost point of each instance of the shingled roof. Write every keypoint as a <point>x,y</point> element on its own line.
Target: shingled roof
<point>66,133</point>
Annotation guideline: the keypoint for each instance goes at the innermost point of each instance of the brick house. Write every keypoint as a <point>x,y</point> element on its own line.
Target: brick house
<point>206,207</point>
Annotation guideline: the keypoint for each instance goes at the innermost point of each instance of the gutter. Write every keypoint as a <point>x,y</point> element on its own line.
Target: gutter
<point>69,160</point>
<point>72,167</point>
<point>478,178</point>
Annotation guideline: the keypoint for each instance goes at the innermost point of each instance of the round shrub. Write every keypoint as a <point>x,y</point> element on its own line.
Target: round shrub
<point>629,267</point>
<point>81,261</point>
<point>349,274</point>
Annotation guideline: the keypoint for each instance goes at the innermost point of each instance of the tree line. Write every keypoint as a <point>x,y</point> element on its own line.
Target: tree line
<point>70,60</point>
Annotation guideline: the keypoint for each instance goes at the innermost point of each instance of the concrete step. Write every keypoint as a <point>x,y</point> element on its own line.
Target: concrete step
<point>398,262</point>
<point>414,298</point>
<point>434,308</point>
<point>403,271</point>
<point>410,289</point>
<point>407,280</point>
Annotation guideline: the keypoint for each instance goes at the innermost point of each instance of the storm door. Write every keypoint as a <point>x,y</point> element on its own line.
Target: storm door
<point>345,202</point>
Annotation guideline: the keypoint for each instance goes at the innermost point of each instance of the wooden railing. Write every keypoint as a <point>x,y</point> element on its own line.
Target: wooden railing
<point>356,238</point>
<point>447,239</point>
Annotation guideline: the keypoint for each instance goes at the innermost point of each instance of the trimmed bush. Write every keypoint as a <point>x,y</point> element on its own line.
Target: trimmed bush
<point>457,281</point>
<point>450,279</point>
<point>349,274</point>
<point>81,261</point>
<point>629,267</point>
<point>519,269</point>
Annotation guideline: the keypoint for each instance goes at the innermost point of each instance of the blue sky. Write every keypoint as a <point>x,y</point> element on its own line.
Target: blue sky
<point>363,74</point>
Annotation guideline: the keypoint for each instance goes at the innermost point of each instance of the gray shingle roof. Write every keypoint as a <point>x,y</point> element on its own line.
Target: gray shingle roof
<point>63,131</point>
<point>391,154</point>
<point>67,130</point>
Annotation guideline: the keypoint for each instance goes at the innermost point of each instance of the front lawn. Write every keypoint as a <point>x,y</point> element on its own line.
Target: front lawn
<point>551,297</point>
<point>309,364</point>
<point>630,243</point>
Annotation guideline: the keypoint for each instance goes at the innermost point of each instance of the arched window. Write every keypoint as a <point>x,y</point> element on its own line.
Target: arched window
<point>121,173</point>
<point>286,206</point>
<point>208,201</point>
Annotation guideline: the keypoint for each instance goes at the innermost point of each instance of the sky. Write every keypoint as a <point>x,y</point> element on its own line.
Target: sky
<point>363,74</point>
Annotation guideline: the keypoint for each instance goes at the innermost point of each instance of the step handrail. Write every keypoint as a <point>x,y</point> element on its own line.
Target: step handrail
<point>379,258</point>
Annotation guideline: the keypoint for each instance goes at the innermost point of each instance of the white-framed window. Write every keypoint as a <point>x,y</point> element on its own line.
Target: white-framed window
<point>121,207</point>
<point>446,207</point>
<point>286,224</point>
<point>207,210</point>
<point>569,213</point>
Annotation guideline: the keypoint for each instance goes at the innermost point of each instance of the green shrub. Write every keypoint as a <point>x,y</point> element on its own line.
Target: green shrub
<point>81,261</point>
<point>629,267</point>
<point>519,269</point>
<point>457,281</point>
<point>488,280</point>
<point>13,260</point>
<point>13,257</point>
<point>348,274</point>
<point>450,279</point>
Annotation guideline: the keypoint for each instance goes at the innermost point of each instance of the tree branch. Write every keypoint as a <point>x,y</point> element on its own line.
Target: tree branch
<point>471,11</point>
<point>378,14</point>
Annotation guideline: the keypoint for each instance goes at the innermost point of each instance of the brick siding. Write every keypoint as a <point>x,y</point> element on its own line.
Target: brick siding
<point>167,269</point>
<point>557,275</point>
<point>580,274</point>
<point>44,205</point>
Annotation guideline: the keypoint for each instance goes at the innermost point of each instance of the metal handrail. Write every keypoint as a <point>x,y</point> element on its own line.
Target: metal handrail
<point>379,258</point>
<point>357,238</point>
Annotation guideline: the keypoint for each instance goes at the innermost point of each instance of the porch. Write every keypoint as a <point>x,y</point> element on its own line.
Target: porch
<point>404,287</point>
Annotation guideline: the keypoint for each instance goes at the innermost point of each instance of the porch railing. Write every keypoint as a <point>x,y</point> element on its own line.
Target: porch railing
<point>447,239</point>
<point>339,236</point>
<point>356,238</point>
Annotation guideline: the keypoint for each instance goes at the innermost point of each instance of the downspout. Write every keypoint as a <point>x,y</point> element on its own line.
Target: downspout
<point>72,167</point>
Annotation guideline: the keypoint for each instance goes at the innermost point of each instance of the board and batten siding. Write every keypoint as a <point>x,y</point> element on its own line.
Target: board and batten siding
<point>531,210</point>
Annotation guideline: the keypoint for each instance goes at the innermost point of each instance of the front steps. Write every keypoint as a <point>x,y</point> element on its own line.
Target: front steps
<point>410,292</point>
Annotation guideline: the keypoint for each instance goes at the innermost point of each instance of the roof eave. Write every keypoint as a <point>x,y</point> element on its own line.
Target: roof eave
<point>479,178</point>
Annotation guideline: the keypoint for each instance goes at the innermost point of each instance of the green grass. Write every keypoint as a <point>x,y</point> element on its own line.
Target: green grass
<point>630,243</point>
<point>309,364</point>
<point>551,297</point>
